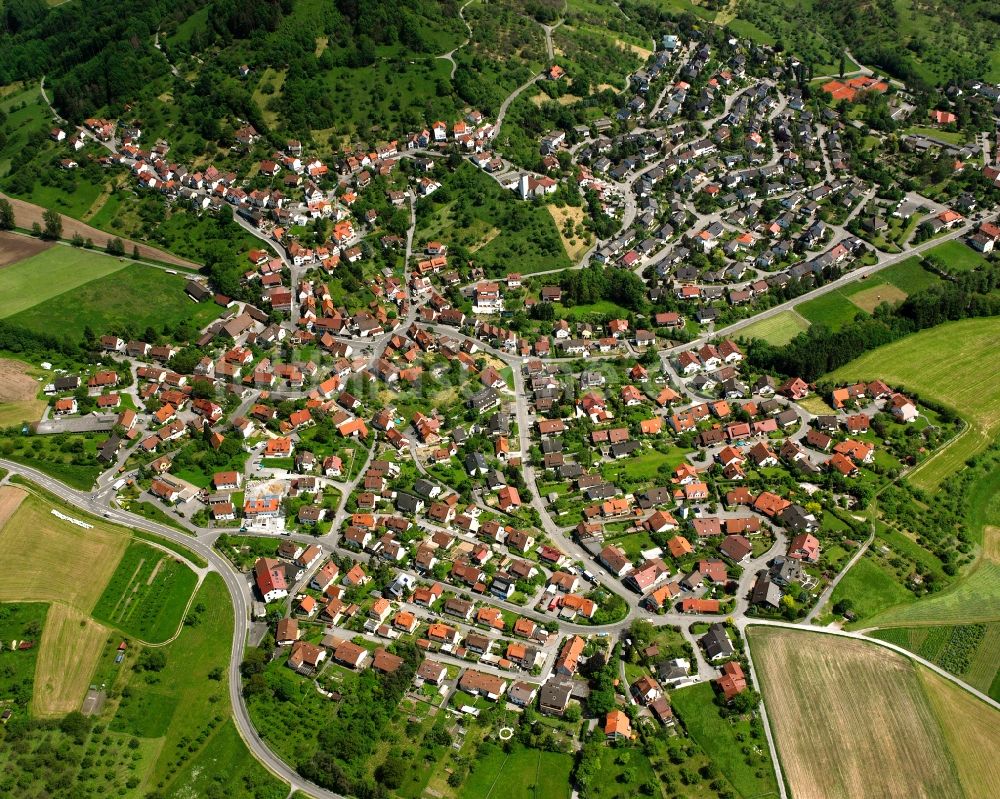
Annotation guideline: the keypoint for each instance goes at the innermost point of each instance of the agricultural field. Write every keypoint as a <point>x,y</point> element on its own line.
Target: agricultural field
<point>71,645</point>
<point>18,393</point>
<point>45,571</point>
<point>825,694</point>
<point>47,274</point>
<point>970,651</point>
<point>109,302</point>
<point>147,595</point>
<point>892,284</point>
<point>870,298</point>
<point>14,247</point>
<point>778,329</point>
<point>971,731</point>
<point>944,364</point>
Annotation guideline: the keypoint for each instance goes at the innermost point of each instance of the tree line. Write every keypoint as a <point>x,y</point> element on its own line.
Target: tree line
<point>820,349</point>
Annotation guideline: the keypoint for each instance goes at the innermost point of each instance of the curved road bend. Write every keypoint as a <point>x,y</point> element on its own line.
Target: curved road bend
<point>239,591</point>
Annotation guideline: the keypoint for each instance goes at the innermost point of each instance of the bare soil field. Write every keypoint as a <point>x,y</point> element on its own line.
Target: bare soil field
<point>53,555</point>
<point>10,499</point>
<point>18,390</point>
<point>71,645</point>
<point>26,214</point>
<point>851,719</point>
<point>14,247</point>
<point>560,215</point>
<point>869,299</point>
<point>972,730</point>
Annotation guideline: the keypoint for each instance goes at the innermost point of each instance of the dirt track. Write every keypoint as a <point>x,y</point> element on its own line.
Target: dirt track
<point>26,214</point>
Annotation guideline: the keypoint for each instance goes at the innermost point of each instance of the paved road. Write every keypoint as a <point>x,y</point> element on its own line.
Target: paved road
<point>849,277</point>
<point>450,55</point>
<point>239,593</point>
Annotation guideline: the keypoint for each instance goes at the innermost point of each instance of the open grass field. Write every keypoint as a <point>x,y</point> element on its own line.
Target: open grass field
<point>18,394</point>
<point>832,309</point>
<point>967,652</point>
<point>892,284</point>
<point>147,595</point>
<point>778,329</point>
<point>71,645</point>
<point>947,364</point>
<point>48,274</point>
<point>50,554</point>
<point>957,256</point>
<point>718,737</point>
<point>197,744</point>
<point>872,588</point>
<point>137,296</point>
<point>225,754</point>
<point>14,247</point>
<point>644,466</point>
<point>950,136</point>
<point>853,720</point>
<point>908,275</point>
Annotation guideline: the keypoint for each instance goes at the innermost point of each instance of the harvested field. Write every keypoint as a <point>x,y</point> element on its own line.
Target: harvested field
<point>851,719</point>
<point>50,554</point>
<point>15,247</point>
<point>10,499</point>
<point>972,731</point>
<point>869,299</point>
<point>26,214</point>
<point>18,390</point>
<point>559,216</point>
<point>71,645</point>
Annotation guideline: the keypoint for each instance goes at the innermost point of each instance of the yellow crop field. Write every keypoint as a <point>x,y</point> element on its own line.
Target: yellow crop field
<point>71,645</point>
<point>972,731</point>
<point>853,720</point>
<point>55,559</point>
